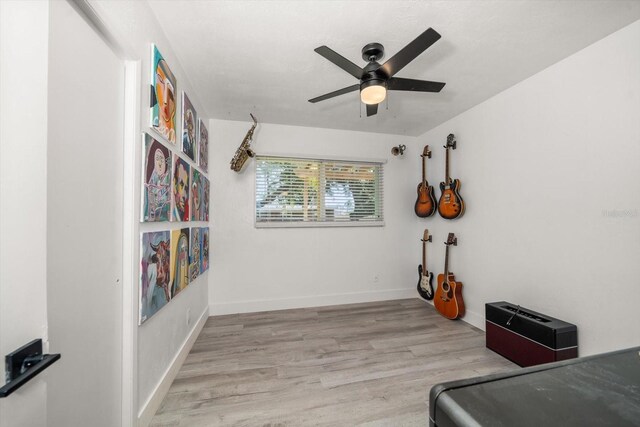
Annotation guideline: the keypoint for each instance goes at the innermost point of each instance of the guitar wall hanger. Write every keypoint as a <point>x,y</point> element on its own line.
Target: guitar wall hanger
<point>429,239</point>
<point>451,142</point>
<point>399,150</point>
<point>453,242</point>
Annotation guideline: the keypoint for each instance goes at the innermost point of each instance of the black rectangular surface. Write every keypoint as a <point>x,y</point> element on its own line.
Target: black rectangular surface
<point>546,330</point>
<point>602,390</point>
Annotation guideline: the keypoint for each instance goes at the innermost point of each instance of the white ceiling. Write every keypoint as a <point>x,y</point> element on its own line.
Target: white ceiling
<point>257,56</point>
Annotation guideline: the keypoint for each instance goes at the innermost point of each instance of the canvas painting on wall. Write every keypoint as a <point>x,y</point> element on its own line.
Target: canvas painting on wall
<point>205,199</point>
<point>156,180</point>
<point>163,97</point>
<point>204,252</point>
<point>154,289</point>
<point>195,196</point>
<point>203,146</point>
<point>180,189</point>
<point>195,257</point>
<point>179,260</point>
<point>189,128</point>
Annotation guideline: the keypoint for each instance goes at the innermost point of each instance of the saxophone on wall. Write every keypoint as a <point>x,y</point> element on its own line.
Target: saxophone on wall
<point>244,151</point>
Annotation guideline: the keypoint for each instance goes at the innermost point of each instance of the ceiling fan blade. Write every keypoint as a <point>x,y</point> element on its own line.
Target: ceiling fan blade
<point>410,52</point>
<point>340,61</point>
<point>372,109</point>
<point>335,93</point>
<point>396,83</point>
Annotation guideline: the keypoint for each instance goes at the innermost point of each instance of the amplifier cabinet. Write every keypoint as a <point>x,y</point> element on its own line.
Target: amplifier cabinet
<point>526,337</point>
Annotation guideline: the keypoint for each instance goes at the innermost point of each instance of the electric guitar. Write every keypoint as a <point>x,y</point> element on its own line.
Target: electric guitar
<point>426,202</point>
<point>448,299</point>
<point>450,205</point>
<point>425,277</point>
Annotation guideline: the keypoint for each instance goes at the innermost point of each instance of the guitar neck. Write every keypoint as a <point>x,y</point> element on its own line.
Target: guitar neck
<point>446,263</point>
<point>424,171</point>
<point>447,178</point>
<point>424,258</point>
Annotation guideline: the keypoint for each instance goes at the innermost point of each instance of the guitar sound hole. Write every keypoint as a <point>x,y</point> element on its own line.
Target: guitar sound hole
<point>446,287</point>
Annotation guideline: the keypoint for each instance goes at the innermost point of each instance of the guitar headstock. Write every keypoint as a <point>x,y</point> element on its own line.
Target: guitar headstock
<point>451,142</point>
<point>451,240</point>
<point>426,152</point>
<point>426,237</point>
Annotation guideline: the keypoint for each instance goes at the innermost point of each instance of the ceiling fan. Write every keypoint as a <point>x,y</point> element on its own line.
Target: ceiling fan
<point>376,79</point>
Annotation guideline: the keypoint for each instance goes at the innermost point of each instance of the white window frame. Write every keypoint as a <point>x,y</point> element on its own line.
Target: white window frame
<point>319,224</point>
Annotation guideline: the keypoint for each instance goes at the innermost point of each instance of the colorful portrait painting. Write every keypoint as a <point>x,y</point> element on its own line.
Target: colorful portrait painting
<point>180,189</point>
<point>205,199</point>
<point>189,128</point>
<point>195,196</point>
<point>163,97</point>
<point>156,181</point>
<point>179,260</point>
<point>204,252</point>
<point>154,289</point>
<point>203,147</point>
<point>194,266</point>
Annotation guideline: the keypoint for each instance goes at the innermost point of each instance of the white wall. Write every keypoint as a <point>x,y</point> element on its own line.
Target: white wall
<point>24,29</point>
<point>264,269</point>
<point>160,338</point>
<point>549,171</point>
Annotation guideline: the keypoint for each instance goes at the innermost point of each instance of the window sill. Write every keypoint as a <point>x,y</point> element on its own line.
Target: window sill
<point>330,224</point>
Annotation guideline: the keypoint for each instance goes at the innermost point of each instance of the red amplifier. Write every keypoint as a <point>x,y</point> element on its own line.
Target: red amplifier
<point>526,337</point>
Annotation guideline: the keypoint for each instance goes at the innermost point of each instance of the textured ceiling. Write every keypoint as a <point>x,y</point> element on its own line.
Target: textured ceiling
<point>257,56</point>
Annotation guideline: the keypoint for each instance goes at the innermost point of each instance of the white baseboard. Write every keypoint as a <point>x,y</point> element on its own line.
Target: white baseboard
<point>152,404</point>
<point>251,306</point>
<point>474,319</point>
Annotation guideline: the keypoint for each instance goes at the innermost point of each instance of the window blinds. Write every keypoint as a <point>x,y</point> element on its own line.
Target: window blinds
<point>298,192</point>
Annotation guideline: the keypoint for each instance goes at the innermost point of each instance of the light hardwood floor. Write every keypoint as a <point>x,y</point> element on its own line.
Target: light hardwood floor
<point>360,364</point>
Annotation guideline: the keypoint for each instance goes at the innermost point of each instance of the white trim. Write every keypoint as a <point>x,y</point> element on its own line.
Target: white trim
<point>529,339</point>
<point>251,306</point>
<point>154,401</point>
<point>86,10</point>
<point>129,243</point>
<point>323,157</point>
<point>474,319</point>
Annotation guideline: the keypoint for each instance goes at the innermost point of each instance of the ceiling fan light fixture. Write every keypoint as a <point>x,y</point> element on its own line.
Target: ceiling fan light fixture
<point>373,91</point>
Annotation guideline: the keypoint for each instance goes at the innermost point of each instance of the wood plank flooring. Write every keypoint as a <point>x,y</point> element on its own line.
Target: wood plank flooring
<point>360,364</point>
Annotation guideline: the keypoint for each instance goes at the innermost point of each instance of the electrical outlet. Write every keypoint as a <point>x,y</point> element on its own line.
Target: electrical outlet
<point>188,316</point>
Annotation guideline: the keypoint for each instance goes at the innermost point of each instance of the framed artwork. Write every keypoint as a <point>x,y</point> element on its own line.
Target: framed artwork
<point>205,199</point>
<point>156,181</point>
<point>194,255</point>
<point>163,97</point>
<point>189,128</point>
<point>204,252</point>
<point>203,146</point>
<point>154,289</point>
<point>180,189</point>
<point>179,260</point>
<point>195,195</point>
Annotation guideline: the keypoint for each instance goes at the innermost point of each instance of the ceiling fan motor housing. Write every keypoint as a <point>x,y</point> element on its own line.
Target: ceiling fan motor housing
<point>373,52</point>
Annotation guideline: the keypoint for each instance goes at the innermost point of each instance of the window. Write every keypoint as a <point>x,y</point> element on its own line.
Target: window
<point>292,192</point>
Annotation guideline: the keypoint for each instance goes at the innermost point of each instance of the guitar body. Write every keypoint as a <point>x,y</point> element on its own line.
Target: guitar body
<point>426,201</point>
<point>448,298</point>
<point>450,205</point>
<point>425,288</point>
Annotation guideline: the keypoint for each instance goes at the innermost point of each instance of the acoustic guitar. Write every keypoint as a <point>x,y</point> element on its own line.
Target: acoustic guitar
<point>426,201</point>
<point>425,277</point>
<point>450,205</point>
<point>448,299</point>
